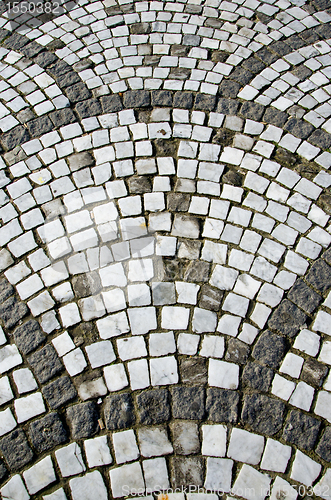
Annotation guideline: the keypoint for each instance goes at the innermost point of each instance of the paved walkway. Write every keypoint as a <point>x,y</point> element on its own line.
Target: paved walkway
<point>165,204</point>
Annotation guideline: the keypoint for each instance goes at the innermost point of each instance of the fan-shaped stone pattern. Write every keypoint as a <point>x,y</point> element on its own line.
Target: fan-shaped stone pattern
<point>228,219</point>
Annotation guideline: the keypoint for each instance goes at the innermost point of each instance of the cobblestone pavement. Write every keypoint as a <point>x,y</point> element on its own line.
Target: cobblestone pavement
<point>165,295</point>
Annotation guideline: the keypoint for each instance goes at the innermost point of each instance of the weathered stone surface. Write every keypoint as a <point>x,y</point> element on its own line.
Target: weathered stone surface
<point>178,202</point>
<point>233,178</point>
<point>139,185</point>
<point>32,49</point>
<point>111,103</point>
<point>40,126</point>
<point>222,405</point>
<point>320,139</point>
<point>205,102</point>
<point>319,276</point>
<point>6,290</point>
<point>11,311</point>
<point>90,107</point>
<point>62,117</point>
<point>193,40</point>
<point>257,377</point>
<point>166,147</point>
<point>210,298</point>
<point>80,160</point>
<point>304,297</point>
<point>3,471</point>
<point>59,392</point>
<point>186,471</point>
<point>237,351</point>
<point>161,98</point>
<point>299,128</point>
<point>227,106</point>
<point>269,349</point>
<point>83,420</point>
<point>153,406</point>
<point>188,402</point>
<point>45,363</point>
<point>253,64</point>
<point>252,110</point>
<point>229,88</point>
<point>16,450</point>
<point>284,157</point>
<point>47,432</point>
<point>301,430</point>
<point>193,371</point>
<point>136,99</point>
<point>78,92</point>
<point>28,336</point>
<point>183,100</point>
<point>275,117</point>
<point>173,270</point>
<point>15,137</point>
<point>185,437</point>
<point>140,28</point>
<point>119,411</point>
<point>313,372</point>
<point>287,319</point>
<point>324,446</point>
<point>86,284</point>
<point>45,59</point>
<point>197,271</point>
<point>263,414</point>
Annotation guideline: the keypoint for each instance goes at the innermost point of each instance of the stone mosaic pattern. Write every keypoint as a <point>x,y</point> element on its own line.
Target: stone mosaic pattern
<point>165,296</point>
